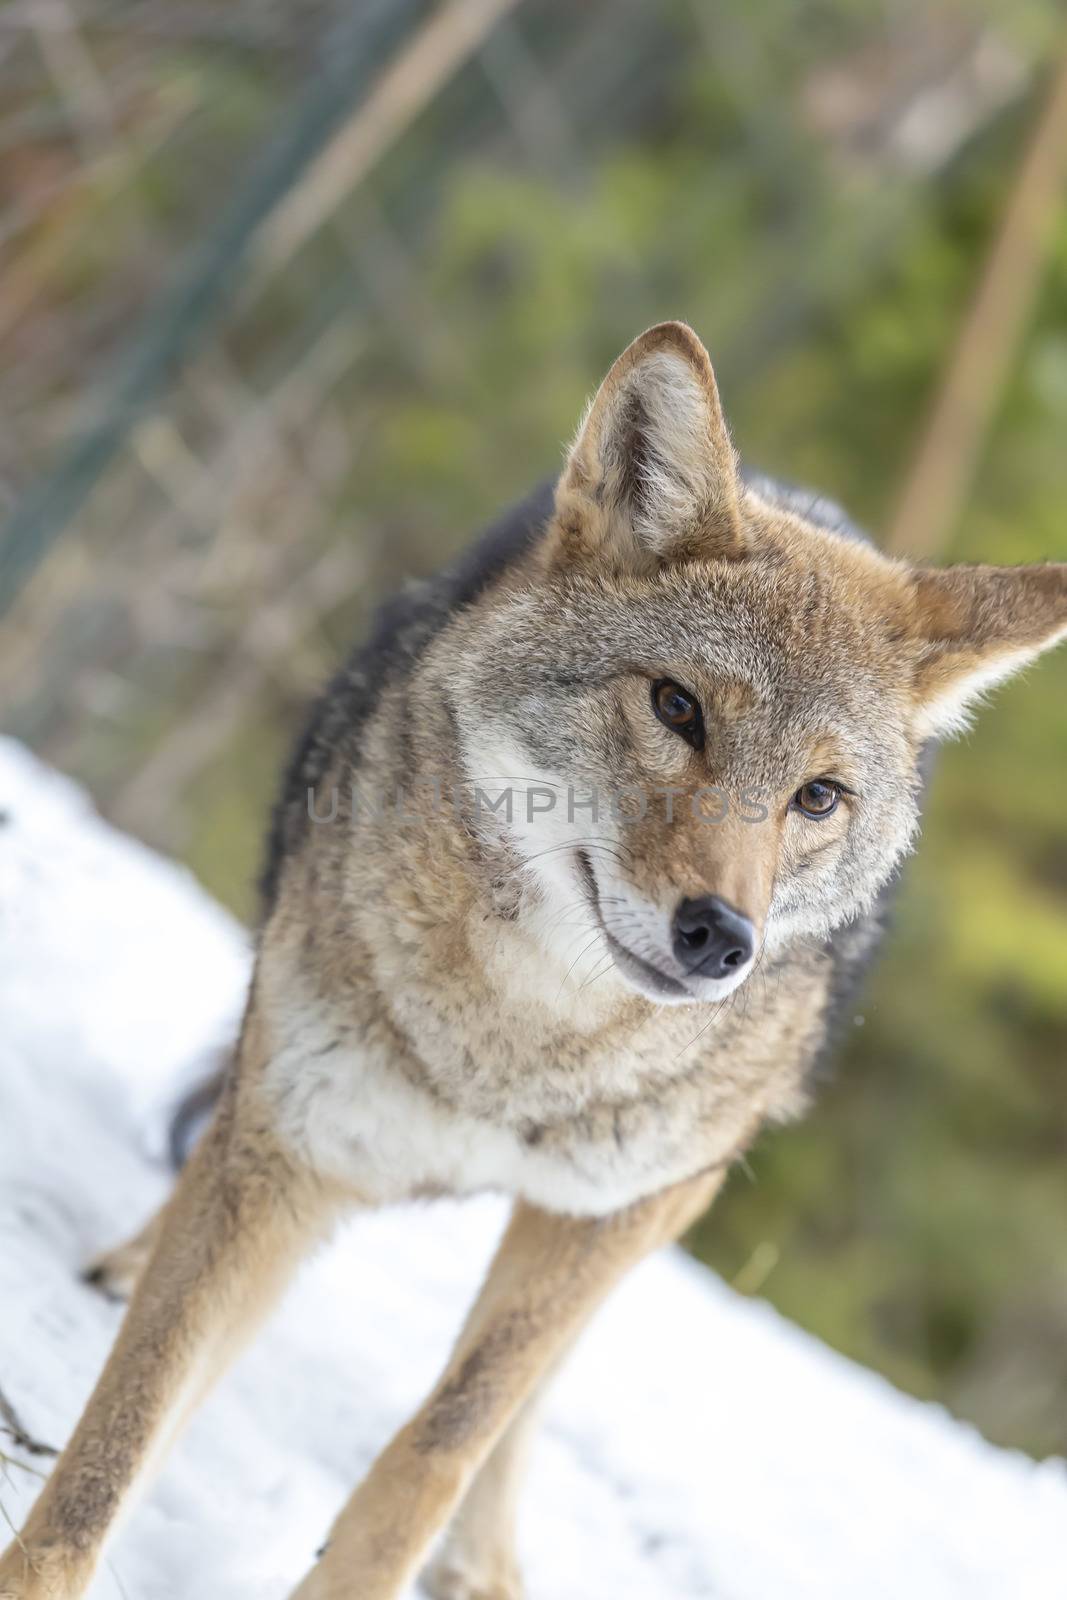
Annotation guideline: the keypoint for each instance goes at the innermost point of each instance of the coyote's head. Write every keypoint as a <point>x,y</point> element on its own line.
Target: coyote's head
<point>708,710</point>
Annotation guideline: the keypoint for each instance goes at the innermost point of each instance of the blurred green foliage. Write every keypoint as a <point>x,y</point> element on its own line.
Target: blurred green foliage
<point>916,1220</point>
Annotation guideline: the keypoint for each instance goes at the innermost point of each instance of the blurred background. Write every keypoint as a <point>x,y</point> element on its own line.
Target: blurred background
<point>295,295</point>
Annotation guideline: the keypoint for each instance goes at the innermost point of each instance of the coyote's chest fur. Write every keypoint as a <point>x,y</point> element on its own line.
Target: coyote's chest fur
<point>578,1101</point>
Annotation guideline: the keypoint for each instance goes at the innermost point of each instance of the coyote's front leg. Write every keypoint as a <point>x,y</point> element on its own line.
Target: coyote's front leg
<point>549,1275</point>
<point>478,1559</point>
<point>241,1218</point>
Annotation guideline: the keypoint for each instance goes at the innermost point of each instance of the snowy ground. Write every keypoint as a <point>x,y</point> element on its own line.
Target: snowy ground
<point>697,1445</point>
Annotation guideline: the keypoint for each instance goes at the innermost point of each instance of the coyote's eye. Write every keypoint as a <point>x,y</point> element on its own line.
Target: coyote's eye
<point>817,799</point>
<point>676,707</point>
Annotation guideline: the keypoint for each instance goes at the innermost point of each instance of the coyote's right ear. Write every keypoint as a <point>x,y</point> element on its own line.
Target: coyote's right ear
<point>652,476</point>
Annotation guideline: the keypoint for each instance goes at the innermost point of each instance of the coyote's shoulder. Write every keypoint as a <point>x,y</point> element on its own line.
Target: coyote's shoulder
<point>403,627</point>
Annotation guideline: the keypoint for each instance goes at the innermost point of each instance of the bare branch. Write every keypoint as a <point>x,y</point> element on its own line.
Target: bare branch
<point>11,1425</point>
<point>988,341</point>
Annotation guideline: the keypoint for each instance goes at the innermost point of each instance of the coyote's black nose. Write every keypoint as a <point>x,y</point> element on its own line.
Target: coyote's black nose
<point>711,939</point>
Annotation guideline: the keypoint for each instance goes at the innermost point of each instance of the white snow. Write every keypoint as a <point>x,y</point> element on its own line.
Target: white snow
<point>696,1446</point>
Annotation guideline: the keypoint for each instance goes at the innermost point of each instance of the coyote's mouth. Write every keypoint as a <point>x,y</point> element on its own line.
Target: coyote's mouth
<point>639,972</point>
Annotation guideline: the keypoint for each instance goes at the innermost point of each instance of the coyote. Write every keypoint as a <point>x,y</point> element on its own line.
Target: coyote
<point>653,744</point>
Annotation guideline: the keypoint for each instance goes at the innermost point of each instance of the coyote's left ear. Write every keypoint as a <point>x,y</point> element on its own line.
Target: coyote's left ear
<point>652,476</point>
<point>975,626</point>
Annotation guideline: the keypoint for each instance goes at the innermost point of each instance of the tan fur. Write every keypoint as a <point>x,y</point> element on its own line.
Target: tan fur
<point>479,1556</point>
<point>464,1000</point>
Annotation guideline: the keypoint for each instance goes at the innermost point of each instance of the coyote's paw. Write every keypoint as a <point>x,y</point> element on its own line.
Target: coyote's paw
<point>115,1273</point>
<point>450,1578</point>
